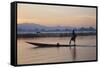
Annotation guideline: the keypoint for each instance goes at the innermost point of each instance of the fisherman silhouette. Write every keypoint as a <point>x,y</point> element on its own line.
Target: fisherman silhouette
<point>73,38</point>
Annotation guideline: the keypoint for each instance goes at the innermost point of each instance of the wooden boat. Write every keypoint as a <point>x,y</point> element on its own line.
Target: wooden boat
<point>56,45</point>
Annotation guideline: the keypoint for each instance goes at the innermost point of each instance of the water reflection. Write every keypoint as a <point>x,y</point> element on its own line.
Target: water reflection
<point>71,48</point>
<point>28,53</point>
<point>73,52</point>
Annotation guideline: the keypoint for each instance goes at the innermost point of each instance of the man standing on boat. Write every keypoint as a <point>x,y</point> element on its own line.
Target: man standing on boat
<point>73,38</point>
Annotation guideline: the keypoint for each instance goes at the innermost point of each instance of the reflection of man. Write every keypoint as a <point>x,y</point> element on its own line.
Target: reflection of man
<point>73,38</point>
<point>74,53</point>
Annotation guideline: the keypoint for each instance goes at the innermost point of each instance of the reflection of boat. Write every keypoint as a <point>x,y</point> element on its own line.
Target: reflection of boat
<point>56,45</point>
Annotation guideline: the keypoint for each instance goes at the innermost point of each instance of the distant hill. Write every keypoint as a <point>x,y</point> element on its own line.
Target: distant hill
<point>31,28</point>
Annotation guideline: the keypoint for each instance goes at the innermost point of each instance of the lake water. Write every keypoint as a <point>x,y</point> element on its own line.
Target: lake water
<point>30,54</point>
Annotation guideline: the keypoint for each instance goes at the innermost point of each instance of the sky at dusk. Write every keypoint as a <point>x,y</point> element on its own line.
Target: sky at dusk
<point>51,15</point>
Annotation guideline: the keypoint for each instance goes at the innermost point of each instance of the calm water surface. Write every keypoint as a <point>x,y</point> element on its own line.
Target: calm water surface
<point>30,54</point>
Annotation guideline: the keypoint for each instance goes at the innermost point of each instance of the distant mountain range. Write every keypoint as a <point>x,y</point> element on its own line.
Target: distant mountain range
<point>31,28</point>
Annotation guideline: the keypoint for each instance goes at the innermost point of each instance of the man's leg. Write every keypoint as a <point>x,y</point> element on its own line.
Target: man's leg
<point>69,42</point>
<point>74,42</point>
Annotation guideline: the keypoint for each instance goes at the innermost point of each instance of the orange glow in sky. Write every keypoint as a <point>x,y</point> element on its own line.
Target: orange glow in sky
<point>49,15</point>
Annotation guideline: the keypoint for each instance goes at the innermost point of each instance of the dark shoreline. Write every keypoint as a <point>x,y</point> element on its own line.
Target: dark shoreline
<point>52,35</point>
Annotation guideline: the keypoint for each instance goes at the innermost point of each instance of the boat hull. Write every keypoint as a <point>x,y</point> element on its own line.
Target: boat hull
<point>56,45</point>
